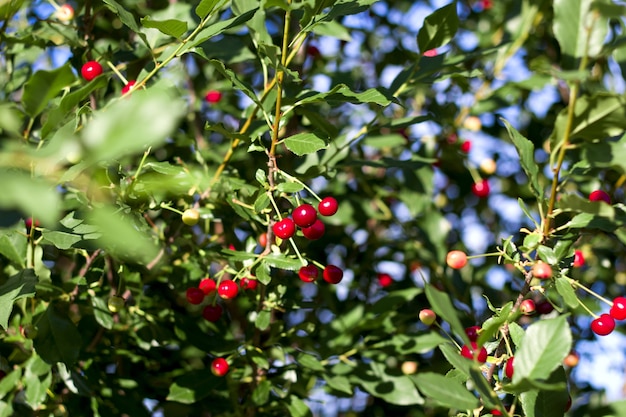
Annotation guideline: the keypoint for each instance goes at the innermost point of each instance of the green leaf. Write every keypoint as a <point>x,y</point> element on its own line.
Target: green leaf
<point>58,339</point>
<point>453,355</point>
<point>297,407</point>
<point>131,125</point>
<point>13,247</point>
<point>263,320</point>
<point>394,299</point>
<point>17,286</point>
<point>441,304</point>
<point>281,261</point>
<point>74,381</point>
<point>526,151</point>
<point>122,234</point>
<point>305,143</point>
<point>547,255</point>
<point>33,196</point>
<point>439,28</point>
<point>339,383</point>
<point>310,362</point>
<point>545,345</point>
<point>61,240</point>
<point>289,187</point>
<point>205,7</point>
<point>595,117</point>
<point>387,384</point>
<point>262,273</point>
<point>484,388</point>
<point>43,86</point>
<point>101,312</point>
<point>341,93</point>
<point>579,29</point>
<point>566,291</point>
<point>546,403</point>
<point>217,28</point>
<point>127,19</point>
<point>193,386</point>
<point>445,392</point>
<point>261,393</point>
<point>171,27</point>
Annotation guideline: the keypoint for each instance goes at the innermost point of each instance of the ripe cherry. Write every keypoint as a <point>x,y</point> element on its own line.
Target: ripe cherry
<point>247,283</point>
<point>456,259</point>
<point>430,53</point>
<point>213,96</point>
<point>385,280</point>
<point>308,273</point>
<point>508,367</point>
<point>91,70</point>
<point>427,316</point>
<point>304,215</point>
<point>542,270</point>
<point>228,289</point>
<point>194,295</point>
<point>313,51</point>
<point>285,228</point>
<point>618,309</point>
<point>469,351</point>
<point>481,189</point>
<point>315,231</point>
<point>527,307</point>
<point>219,367</point>
<point>466,146</point>
<point>212,313</point>
<point>603,325</point>
<point>472,333</point>
<point>579,259</point>
<point>207,285</point>
<point>599,195</point>
<point>544,307</point>
<point>128,86</point>
<point>332,274</point>
<point>328,206</point>
<point>29,223</point>
<point>263,240</point>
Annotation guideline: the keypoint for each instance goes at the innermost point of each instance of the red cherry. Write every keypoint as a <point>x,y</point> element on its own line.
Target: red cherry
<point>618,309</point>
<point>315,231</point>
<point>579,258</point>
<point>213,96</point>
<point>571,360</point>
<point>527,307</point>
<point>29,223</point>
<point>430,53</point>
<point>487,4</point>
<point>456,259</point>
<point>332,274</point>
<point>328,206</point>
<point>496,412</point>
<point>128,86</point>
<point>263,240</point>
<point>207,285</point>
<point>544,307</point>
<point>481,189</point>
<point>508,367</point>
<point>385,280</point>
<point>466,146</point>
<point>308,273</point>
<point>228,289</point>
<point>285,228</point>
<point>542,270</point>
<point>603,325</point>
<point>313,51</point>
<point>91,70</point>
<point>599,195</point>
<point>194,295</point>
<point>472,333</point>
<point>212,313</point>
<point>248,283</point>
<point>468,352</point>
<point>304,215</point>
<point>219,367</point>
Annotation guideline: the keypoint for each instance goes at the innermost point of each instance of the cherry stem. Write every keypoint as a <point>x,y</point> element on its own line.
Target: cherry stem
<point>449,336</point>
<point>296,180</point>
<point>595,294</point>
<point>170,208</point>
<point>591,313</point>
<point>117,72</point>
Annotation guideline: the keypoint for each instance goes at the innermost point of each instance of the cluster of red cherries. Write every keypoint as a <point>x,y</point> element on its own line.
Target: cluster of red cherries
<point>92,69</point>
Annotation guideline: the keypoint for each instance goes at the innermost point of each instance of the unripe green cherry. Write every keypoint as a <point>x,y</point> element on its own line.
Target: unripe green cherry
<point>115,303</point>
<point>191,217</point>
